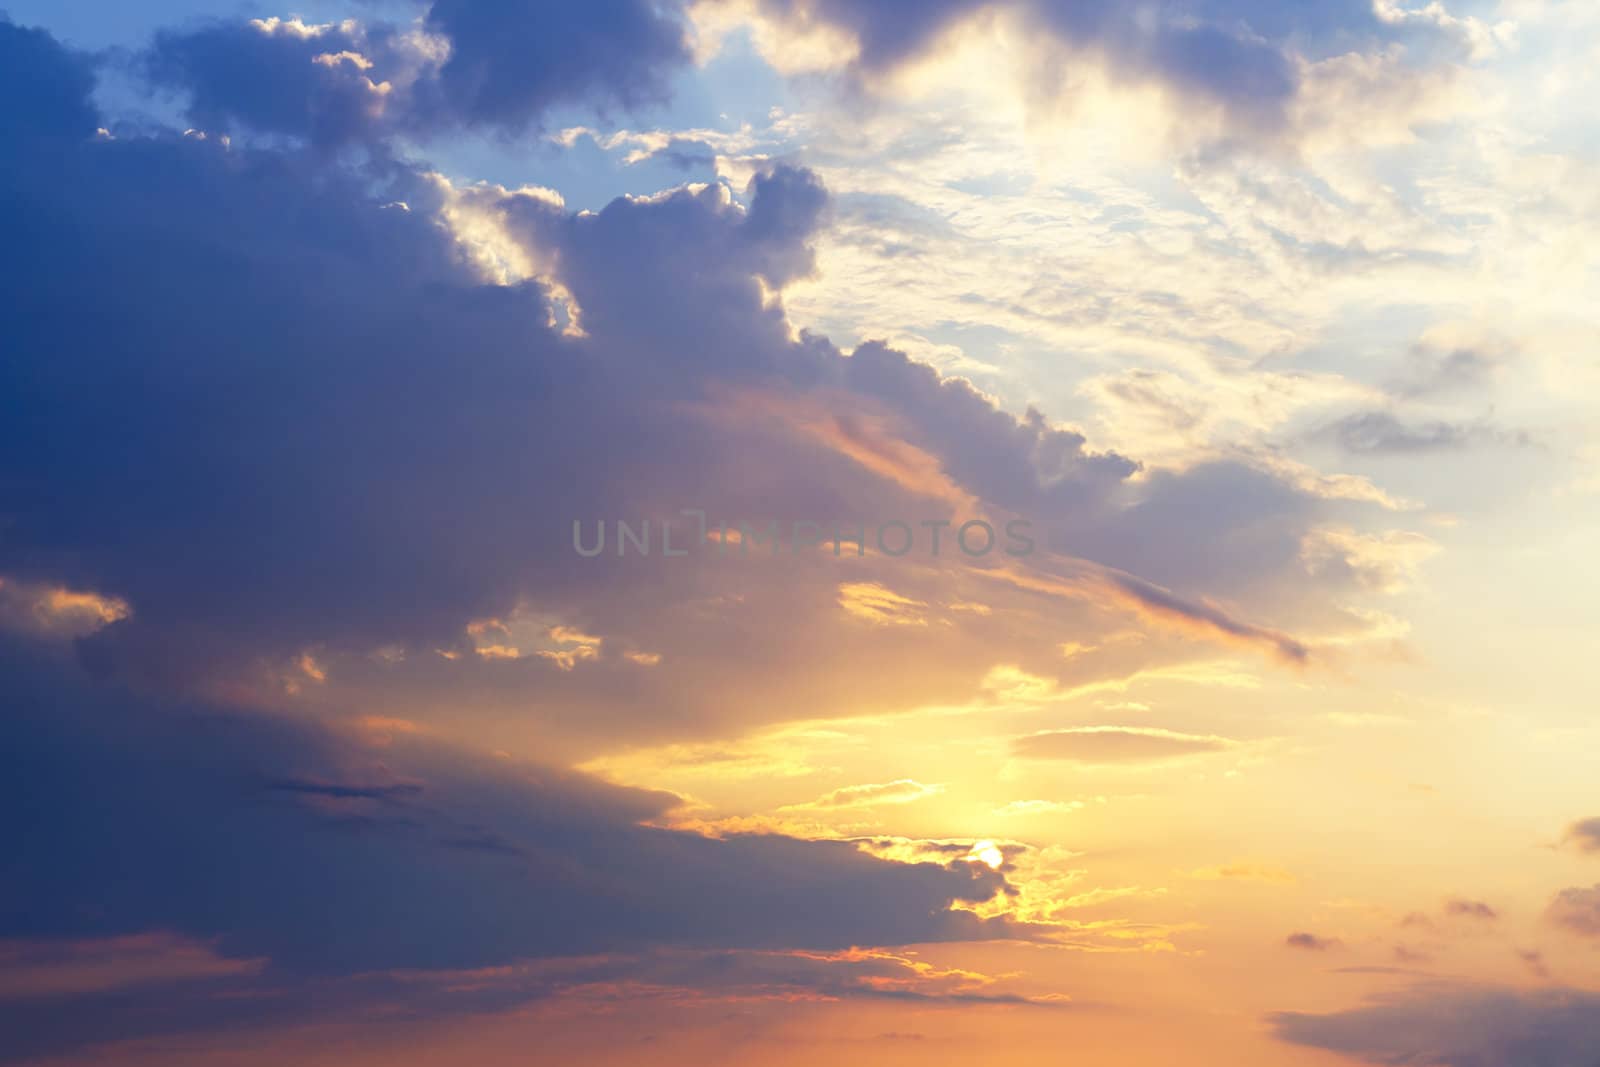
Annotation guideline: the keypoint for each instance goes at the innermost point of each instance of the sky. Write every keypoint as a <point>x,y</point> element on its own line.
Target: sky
<point>794,532</point>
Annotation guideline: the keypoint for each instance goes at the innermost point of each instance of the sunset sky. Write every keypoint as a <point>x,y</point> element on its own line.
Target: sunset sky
<point>1262,338</point>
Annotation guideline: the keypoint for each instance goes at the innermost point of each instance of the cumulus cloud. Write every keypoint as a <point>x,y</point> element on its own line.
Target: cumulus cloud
<point>450,424</point>
<point>494,65</point>
<point>1250,60</point>
<point>321,83</point>
<point>509,61</point>
<point>1456,1026</point>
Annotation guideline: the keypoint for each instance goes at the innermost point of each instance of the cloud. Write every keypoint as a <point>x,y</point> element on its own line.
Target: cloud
<point>1431,370</point>
<point>1247,59</point>
<point>1381,433</point>
<point>46,87</point>
<point>1115,744</point>
<point>244,1003</point>
<point>1577,909</point>
<point>1312,942</point>
<point>900,791</point>
<point>1456,1026</point>
<point>50,610</point>
<point>880,606</point>
<point>1470,909</point>
<point>41,970</point>
<point>263,838</point>
<point>510,61</point>
<point>495,65</point>
<point>452,420</point>
<point>328,84</point>
<point>1584,835</point>
<point>1244,872</point>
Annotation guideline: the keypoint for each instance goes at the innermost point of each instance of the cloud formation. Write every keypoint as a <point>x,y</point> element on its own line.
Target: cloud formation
<point>313,849</point>
<point>499,66</point>
<point>1584,835</point>
<point>1312,942</point>
<point>1115,744</point>
<point>1577,910</point>
<point>1252,60</point>
<point>1456,1026</point>
<point>469,369</point>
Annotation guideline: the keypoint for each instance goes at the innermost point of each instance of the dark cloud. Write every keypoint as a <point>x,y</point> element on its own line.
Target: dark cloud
<point>328,85</point>
<point>1114,744</point>
<point>303,417</point>
<point>505,64</point>
<point>1457,1026</point>
<point>511,60</point>
<point>338,853</point>
<point>237,1000</point>
<point>1312,942</point>
<point>44,88</point>
<point>498,65</point>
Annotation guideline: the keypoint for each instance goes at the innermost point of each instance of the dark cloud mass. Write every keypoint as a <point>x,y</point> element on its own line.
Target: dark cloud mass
<point>289,422</point>
<point>274,78</point>
<point>509,59</point>
<point>298,417</point>
<point>320,850</point>
<point>44,89</point>
<point>1457,1026</point>
<point>505,64</point>
<point>495,65</point>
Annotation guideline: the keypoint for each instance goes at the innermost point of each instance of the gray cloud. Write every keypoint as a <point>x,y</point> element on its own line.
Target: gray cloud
<point>446,433</point>
<point>334,853</point>
<point>1236,54</point>
<point>1311,942</point>
<point>1380,432</point>
<point>1430,371</point>
<point>1457,1026</point>
<point>497,65</point>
